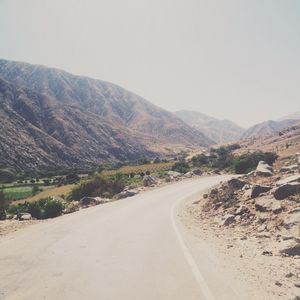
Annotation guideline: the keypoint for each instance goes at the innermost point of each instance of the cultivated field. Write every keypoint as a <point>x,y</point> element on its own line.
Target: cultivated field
<point>56,191</point>
<point>152,168</point>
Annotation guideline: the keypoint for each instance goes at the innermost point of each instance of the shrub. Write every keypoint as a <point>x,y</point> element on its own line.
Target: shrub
<point>223,159</point>
<point>53,208</point>
<point>72,178</point>
<point>3,205</point>
<point>181,167</point>
<point>42,209</point>
<point>248,162</point>
<point>97,186</point>
<point>35,189</point>
<point>35,209</point>
<point>15,209</point>
<point>200,160</point>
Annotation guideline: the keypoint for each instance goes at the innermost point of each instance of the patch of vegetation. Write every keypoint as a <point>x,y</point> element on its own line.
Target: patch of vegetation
<point>98,186</point>
<point>223,158</point>
<point>181,167</point>
<point>132,179</point>
<point>42,209</point>
<point>18,192</point>
<point>248,162</point>
<point>140,169</point>
<point>3,205</point>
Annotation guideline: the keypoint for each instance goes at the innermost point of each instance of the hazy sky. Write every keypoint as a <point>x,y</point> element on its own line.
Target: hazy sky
<point>233,59</point>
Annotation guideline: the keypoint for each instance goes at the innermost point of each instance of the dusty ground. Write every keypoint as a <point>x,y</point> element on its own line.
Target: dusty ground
<point>271,272</point>
<point>9,226</point>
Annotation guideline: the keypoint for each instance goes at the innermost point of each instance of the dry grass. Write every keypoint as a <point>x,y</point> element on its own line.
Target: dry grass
<point>56,191</point>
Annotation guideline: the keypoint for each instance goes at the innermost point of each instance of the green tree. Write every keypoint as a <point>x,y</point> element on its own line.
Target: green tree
<point>3,205</point>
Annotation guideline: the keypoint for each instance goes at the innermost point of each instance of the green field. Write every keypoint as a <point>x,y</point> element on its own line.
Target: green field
<point>16,193</point>
<point>21,192</point>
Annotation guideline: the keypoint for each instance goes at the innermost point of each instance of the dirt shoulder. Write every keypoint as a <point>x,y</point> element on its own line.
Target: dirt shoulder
<point>253,255</point>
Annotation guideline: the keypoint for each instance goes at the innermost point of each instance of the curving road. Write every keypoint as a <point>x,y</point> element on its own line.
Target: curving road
<point>129,249</point>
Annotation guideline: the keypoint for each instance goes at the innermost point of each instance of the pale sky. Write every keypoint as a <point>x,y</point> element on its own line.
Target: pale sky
<point>233,59</point>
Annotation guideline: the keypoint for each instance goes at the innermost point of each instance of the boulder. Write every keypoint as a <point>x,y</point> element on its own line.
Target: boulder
<point>24,216</point>
<point>88,201</point>
<point>263,169</point>
<point>100,200</point>
<point>242,210</point>
<point>126,194</point>
<point>288,169</point>
<point>292,250</point>
<point>259,189</point>
<point>236,183</point>
<point>276,208</point>
<point>266,204</point>
<point>294,178</point>
<point>291,220</point>
<point>287,190</point>
<point>197,172</point>
<point>71,207</point>
<point>246,187</point>
<point>149,180</point>
<point>188,175</point>
<point>227,220</point>
<point>250,174</point>
<point>174,174</point>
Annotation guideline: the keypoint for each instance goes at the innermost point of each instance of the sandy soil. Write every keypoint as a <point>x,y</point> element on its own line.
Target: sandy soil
<point>9,226</point>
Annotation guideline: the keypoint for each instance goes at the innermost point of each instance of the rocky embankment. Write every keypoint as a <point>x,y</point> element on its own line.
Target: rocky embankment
<point>255,219</point>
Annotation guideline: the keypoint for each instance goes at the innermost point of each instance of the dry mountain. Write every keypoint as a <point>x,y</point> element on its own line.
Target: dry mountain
<point>220,131</point>
<point>267,128</point>
<point>52,118</point>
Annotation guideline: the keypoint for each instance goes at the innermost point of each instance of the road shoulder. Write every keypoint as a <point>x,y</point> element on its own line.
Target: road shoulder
<point>231,266</point>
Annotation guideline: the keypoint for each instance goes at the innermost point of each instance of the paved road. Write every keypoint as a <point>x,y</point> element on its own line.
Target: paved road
<point>129,249</point>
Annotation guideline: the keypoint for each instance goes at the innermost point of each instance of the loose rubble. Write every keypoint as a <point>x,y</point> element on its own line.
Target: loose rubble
<point>258,213</point>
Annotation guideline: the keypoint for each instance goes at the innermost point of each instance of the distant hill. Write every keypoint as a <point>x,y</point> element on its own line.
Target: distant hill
<point>294,116</point>
<point>52,118</point>
<point>267,128</point>
<point>220,131</point>
<point>286,143</point>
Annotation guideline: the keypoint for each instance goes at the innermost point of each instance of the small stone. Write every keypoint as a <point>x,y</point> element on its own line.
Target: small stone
<point>278,283</point>
<point>267,253</point>
<point>289,275</point>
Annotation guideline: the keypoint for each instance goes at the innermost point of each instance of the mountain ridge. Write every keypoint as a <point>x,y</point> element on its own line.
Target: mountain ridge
<point>113,122</point>
<point>267,128</point>
<point>221,131</point>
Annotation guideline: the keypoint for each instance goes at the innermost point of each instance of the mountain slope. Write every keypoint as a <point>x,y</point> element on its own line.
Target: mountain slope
<point>107,100</point>
<point>220,131</point>
<point>267,128</point>
<point>50,118</point>
<point>38,132</point>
